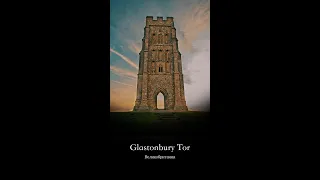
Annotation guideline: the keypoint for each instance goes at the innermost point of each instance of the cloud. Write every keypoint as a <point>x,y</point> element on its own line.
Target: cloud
<point>193,45</point>
<point>123,72</point>
<point>135,47</point>
<point>122,98</point>
<point>198,70</point>
<point>129,61</point>
<point>122,83</point>
<point>197,15</point>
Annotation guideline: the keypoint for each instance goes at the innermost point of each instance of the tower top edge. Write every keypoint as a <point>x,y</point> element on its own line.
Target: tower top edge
<point>159,18</point>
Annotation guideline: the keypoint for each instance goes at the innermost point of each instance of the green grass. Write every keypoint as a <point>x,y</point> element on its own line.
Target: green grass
<point>130,117</point>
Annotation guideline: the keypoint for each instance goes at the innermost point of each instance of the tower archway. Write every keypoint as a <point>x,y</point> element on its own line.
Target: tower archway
<point>160,101</point>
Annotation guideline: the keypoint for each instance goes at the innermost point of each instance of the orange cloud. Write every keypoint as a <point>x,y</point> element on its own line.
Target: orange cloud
<point>122,98</point>
<point>135,47</point>
<point>129,61</point>
<point>122,83</point>
<point>123,72</point>
<point>192,23</point>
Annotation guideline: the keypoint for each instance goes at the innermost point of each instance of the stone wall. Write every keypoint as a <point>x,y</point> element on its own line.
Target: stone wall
<point>160,67</point>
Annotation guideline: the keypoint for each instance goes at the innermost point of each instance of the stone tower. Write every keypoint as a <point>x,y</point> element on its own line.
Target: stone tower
<point>160,68</point>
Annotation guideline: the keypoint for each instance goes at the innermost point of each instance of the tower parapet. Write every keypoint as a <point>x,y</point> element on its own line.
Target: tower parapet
<point>159,21</point>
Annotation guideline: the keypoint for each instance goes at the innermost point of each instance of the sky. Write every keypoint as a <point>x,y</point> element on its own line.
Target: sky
<point>127,22</point>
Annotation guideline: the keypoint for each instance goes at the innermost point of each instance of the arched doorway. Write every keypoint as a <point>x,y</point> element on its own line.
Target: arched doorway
<point>160,101</point>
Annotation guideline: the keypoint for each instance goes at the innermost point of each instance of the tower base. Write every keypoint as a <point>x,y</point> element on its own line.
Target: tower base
<point>141,109</point>
<point>149,109</point>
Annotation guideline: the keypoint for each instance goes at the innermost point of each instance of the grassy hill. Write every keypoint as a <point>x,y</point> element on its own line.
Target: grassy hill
<point>160,124</point>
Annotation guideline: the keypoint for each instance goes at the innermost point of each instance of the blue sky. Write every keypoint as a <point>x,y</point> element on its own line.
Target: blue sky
<point>127,22</point>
